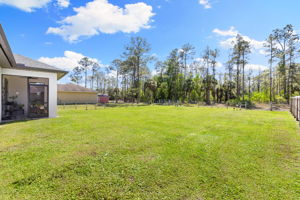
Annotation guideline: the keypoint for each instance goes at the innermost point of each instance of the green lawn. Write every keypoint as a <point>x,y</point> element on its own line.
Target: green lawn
<point>152,152</point>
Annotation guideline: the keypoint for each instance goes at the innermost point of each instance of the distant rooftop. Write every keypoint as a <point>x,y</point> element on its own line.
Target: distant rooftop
<point>73,88</point>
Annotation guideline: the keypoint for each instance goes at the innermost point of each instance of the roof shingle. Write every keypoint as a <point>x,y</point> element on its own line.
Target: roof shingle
<point>23,61</point>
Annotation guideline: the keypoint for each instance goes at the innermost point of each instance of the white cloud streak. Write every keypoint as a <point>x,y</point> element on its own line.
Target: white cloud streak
<point>255,67</point>
<point>63,3</point>
<point>232,33</point>
<point>100,16</point>
<point>27,6</point>
<point>32,5</point>
<point>201,62</point>
<point>205,3</point>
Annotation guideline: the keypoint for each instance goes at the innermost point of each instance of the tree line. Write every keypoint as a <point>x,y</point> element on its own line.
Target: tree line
<point>184,78</point>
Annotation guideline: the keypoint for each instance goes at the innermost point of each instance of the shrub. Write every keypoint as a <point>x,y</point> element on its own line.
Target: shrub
<point>261,97</point>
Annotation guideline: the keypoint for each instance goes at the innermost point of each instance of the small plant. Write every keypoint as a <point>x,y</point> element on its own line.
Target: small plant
<point>13,98</point>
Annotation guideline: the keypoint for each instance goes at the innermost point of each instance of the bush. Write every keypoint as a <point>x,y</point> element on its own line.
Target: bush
<point>280,99</point>
<point>260,97</point>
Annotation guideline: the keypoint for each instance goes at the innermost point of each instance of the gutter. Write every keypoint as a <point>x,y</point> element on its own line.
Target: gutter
<point>4,45</point>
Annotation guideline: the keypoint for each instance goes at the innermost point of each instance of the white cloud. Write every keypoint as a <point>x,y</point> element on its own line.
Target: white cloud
<point>255,44</point>
<point>28,5</point>
<point>201,62</point>
<point>32,5</point>
<point>263,52</point>
<point>48,43</point>
<point>206,4</point>
<point>232,33</point>
<point>100,16</point>
<point>68,62</point>
<point>255,67</point>
<point>63,3</point>
<point>219,64</point>
<point>153,73</point>
<point>112,74</point>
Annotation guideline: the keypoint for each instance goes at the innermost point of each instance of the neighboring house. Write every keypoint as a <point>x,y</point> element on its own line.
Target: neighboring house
<point>28,87</point>
<point>75,94</point>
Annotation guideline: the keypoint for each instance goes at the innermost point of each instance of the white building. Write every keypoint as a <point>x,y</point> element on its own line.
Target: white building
<point>28,87</point>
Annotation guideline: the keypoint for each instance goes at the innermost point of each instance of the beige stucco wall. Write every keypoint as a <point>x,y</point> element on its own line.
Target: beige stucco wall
<point>76,97</point>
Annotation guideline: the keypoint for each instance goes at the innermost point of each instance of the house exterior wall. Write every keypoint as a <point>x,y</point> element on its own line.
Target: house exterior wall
<point>1,93</point>
<point>77,97</point>
<point>52,77</point>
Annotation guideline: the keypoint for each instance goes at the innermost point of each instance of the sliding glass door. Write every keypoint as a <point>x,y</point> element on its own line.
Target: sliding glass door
<point>38,105</point>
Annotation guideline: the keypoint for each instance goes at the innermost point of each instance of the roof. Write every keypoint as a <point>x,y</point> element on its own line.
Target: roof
<point>10,60</point>
<point>6,56</point>
<point>23,62</point>
<point>73,88</point>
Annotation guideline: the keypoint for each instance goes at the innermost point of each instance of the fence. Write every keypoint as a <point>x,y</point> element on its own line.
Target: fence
<point>295,107</point>
<point>94,106</point>
<point>80,106</point>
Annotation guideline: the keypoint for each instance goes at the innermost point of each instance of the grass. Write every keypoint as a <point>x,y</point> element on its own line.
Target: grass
<point>152,152</point>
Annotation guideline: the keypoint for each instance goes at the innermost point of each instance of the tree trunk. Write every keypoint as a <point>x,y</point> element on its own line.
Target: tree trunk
<point>243,83</point>
<point>117,87</point>
<point>85,78</point>
<point>271,62</point>
<point>238,79</point>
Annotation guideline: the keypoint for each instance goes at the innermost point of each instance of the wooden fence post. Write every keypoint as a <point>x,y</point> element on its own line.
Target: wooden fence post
<point>298,111</point>
<point>295,107</point>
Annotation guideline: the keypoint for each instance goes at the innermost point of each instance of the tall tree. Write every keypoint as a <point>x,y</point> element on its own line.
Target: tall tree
<point>240,51</point>
<point>213,55</point>
<point>116,66</point>
<point>249,83</point>
<point>270,45</point>
<point>173,75</point>
<point>160,67</point>
<point>186,53</point>
<point>229,81</point>
<point>76,75</point>
<point>245,51</point>
<point>236,59</point>
<point>207,79</point>
<point>292,53</point>
<point>95,69</point>
<point>85,63</point>
<point>282,37</point>
<point>137,51</point>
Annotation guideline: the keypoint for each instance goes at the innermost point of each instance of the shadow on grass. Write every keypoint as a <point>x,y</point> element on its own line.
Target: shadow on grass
<point>114,105</point>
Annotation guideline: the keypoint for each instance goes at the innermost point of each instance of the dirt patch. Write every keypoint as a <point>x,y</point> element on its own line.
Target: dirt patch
<point>276,107</point>
<point>258,106</point>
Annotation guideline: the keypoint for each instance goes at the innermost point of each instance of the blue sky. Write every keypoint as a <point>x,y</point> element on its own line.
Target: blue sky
<point>59,32</point>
